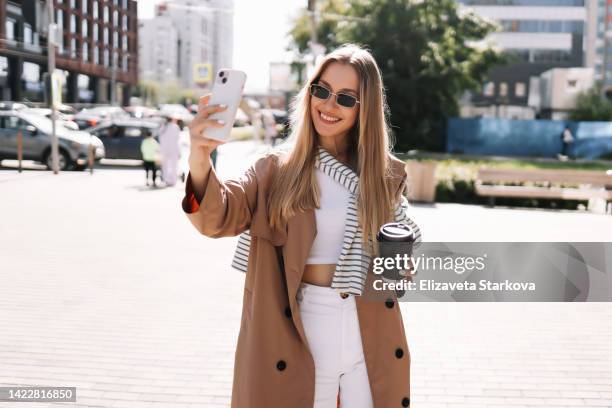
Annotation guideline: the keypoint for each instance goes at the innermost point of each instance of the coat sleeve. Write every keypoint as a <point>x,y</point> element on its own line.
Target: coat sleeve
<point>226,208</point>
<point>404,209</point>
<point>403,214</point>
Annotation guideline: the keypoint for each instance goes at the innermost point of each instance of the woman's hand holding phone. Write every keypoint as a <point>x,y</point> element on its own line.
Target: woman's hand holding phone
<point>201,146</point>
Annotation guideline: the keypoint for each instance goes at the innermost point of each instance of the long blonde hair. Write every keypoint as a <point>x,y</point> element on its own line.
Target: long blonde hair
<point>295,188</point>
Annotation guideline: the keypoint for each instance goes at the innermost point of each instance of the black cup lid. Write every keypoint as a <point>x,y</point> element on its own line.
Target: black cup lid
<point>395,232</point>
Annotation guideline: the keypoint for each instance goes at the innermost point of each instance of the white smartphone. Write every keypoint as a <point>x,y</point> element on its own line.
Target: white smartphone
<point>226,90</point>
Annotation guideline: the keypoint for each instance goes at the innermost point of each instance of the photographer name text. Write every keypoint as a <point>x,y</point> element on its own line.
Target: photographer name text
<point>433,286</point>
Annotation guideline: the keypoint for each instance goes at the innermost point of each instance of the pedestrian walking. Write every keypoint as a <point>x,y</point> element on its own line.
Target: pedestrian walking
<point>567,139</point>
<point>150,151</point>
<point>170,149</point>
<point>310,333</point>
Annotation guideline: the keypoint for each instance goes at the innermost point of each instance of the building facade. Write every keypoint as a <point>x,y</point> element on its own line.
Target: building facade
<point>204,35</point>
<point>97,43</point>
<point>602,47</point>
<point>158,52</point>
<point>537,35</point>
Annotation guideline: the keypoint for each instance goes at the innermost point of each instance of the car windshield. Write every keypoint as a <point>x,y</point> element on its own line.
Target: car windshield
<point>44,123</point>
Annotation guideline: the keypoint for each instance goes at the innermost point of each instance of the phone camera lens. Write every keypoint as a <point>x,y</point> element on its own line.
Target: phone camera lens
<point>221,74</point>
<point>224,80</point>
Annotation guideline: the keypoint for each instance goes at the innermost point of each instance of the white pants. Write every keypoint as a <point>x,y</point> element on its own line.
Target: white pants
<point>169,170</point>
<point>331,327</point>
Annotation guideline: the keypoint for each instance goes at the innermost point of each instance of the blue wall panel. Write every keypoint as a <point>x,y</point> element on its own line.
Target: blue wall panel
<point>535,138</point>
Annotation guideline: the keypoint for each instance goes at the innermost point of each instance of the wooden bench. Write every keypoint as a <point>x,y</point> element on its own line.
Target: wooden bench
<point>588,184</point>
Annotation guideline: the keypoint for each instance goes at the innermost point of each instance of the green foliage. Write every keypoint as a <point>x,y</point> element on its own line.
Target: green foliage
<point>591,107</point>
<point>425,54</point>
<point>329,24</point>
<point>148,91</point>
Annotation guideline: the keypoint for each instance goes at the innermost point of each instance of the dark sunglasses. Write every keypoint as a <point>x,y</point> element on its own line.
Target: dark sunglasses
<point>342,99</point>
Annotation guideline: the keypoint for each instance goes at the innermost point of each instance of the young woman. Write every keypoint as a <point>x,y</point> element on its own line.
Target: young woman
<point>308,218</point>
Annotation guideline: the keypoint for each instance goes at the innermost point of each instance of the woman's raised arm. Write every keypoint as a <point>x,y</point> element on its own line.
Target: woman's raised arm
<point>215,208</point>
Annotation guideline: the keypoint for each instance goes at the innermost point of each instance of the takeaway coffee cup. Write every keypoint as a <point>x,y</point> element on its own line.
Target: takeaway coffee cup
<point>395,238</point>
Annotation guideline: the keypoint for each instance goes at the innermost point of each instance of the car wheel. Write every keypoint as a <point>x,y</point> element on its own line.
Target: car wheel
<point>63,160</point>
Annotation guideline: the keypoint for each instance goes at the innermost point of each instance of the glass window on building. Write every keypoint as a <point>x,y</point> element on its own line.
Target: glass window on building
<point>105,35</point>
<point>73,48</point>
<point>33,86</point>
<point>94,33</point>
<point>519,89</point>
<point>116,18</point>
<point>59,19</point>
<point>73,24</point>
<point>96,55</point>
<point>124,22</point>
<point>94,9</point>
<point>488,89</point>
<point>84,6</point>
<point>105,61</point>
<point>115,39</point>
<point>503,89</point>
<point>11,24</point>
<point>106,14</point>
<point>85,52</point>
<point>551,55</point>
<point>125,63</point>
<point>85,28</point>
<point>3,66</point>
<point>73,4</point>
<point>83,85</point>
<point>124,43</point>
<point>27,33</point>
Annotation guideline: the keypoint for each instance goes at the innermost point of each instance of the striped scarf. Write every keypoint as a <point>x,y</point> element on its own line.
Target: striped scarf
<point>354,261</point>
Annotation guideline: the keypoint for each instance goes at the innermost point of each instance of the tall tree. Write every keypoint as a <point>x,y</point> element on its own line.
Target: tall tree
<point>330,17</point>
<point>591,107</point>
<point>429,54</point>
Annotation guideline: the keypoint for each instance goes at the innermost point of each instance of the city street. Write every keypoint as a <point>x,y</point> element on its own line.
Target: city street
<point>108,287</point>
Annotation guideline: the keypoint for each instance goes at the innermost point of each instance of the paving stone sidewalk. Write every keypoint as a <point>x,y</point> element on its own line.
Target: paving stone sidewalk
<point>107,287</point>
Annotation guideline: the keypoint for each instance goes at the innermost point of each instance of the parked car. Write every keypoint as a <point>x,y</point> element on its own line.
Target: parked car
<point>122,137</point>
<point>175,109</point>
<point>141,112</point>
<point>62,119</point>
<point>36,130</point>
<point>91,117</point>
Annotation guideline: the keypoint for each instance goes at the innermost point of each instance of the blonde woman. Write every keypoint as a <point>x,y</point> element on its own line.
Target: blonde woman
<point>307,219</point>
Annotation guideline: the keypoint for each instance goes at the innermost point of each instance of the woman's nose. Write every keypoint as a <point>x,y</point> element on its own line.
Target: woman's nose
<point>330,103</point>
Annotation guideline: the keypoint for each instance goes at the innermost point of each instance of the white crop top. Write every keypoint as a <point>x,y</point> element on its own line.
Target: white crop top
<point>330,221</point>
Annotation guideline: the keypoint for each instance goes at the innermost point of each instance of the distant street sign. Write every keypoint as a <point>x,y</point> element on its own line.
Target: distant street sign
<point>202,73</point>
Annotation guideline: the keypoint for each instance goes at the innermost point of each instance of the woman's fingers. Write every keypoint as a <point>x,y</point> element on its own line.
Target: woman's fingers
<point>204,142</point>
<point>196,129</point>
<point>204,110</point>
<point>202,121</point>
<point>209,110</point>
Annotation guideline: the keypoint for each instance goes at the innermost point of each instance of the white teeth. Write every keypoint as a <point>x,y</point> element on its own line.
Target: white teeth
<point>329,118</point>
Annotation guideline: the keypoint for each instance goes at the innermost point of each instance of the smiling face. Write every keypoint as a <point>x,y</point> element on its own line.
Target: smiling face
<point>330,119</point>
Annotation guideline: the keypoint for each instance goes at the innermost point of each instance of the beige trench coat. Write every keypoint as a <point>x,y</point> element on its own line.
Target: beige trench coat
<point>273,365</point>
